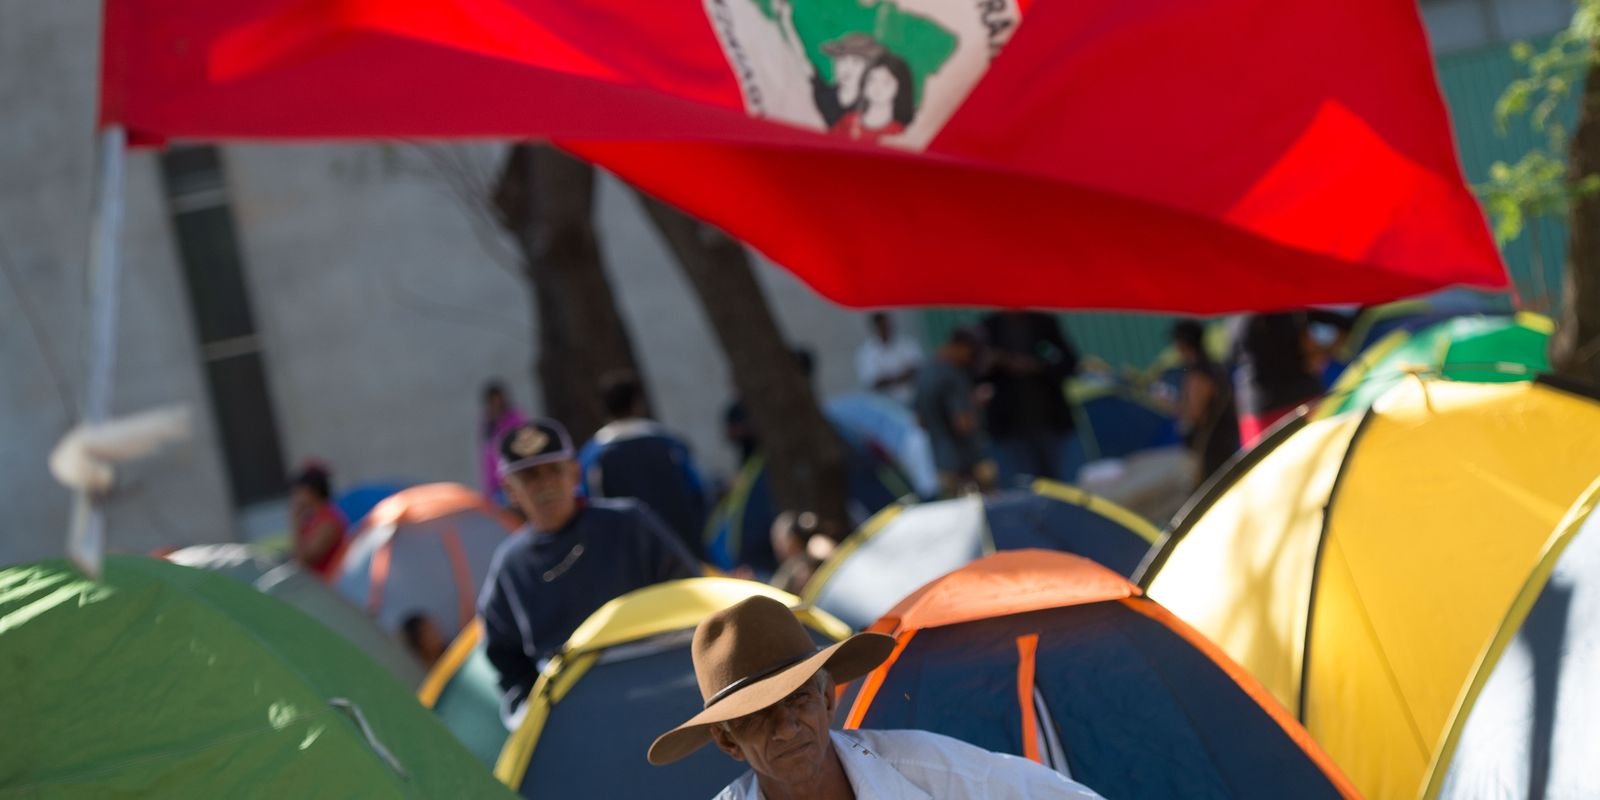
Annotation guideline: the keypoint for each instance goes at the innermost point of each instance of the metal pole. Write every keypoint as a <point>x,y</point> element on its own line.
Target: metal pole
<point>86,541</point>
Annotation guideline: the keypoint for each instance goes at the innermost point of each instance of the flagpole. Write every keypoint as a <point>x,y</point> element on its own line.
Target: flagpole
<point>86,540</point>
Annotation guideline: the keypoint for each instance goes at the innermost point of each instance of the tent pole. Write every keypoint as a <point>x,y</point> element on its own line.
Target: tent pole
<point>86,541</point>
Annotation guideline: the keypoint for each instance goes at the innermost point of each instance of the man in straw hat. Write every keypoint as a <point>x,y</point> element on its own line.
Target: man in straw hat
<point>769,696</point>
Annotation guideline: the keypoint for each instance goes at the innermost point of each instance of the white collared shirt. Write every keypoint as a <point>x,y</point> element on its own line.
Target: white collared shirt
<point>918,765</point>
<point>876,360</point>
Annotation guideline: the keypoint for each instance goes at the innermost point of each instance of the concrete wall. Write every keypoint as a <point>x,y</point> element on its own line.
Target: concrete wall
<point>380,309</point>
<point>47,91</point>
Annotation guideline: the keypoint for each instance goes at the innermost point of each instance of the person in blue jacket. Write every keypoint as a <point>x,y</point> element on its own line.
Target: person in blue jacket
<point>635,456</point>
<point>572,557</point>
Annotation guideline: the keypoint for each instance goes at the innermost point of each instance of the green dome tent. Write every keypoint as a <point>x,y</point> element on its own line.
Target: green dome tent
<point>165,681</point>
<point>286,581</point>
<point>1475,349</point>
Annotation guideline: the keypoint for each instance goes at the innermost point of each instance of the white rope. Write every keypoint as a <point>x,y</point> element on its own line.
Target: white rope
<point>344,704</point>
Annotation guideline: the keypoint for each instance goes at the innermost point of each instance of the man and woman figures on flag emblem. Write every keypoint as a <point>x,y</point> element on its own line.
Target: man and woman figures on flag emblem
<point>880,71</point>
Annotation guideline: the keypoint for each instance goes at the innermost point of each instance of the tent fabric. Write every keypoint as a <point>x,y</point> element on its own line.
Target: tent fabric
<point>1364,603</point>
<point>625,676</point>
<point>1121,695</point>
<point>986,164</point>
<point>426,550</point>
<point>463,690</point>
<point>1480,349</point>
<point>1114,422</point>
<point>878,418</point>
<point>1375,323</point>
<point>1522,728</point>
<point>285,581</point>
<point>739,532</point>
<point>357,501</point>
<point>161,680</point>
<point>907,546</point>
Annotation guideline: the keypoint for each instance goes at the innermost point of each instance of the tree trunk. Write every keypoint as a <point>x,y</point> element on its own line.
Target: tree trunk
<point>1575,351</point>
<point>545,199</point>
<point>805,457</point>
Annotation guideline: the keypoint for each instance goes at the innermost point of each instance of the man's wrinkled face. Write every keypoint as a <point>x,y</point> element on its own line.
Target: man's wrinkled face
<point>546,493</point>
<point>787,742</point>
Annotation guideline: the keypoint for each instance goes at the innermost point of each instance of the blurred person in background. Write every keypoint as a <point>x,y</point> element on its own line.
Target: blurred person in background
<point>499,418</point>
<point>1205,408</point>
<point>1029,420</point>
<point>801,543</point>
<point>571,558</point>
<point>638,457</point>
<point>887,363</point>
<point>423,638</point>
<point>319,526</point>
<point>947,407</point>
<point>1329,330</point>
<point>1273,370</point>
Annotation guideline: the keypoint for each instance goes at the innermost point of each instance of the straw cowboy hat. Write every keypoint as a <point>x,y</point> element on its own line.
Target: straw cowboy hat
<point>751,656</point>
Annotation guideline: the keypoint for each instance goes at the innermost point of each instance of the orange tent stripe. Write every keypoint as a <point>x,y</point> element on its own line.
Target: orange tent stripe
<point>379,579</point>
<point>1027,648</point>
<point>869,690</point>
<point>462,572</point>
<point>1251,687</point>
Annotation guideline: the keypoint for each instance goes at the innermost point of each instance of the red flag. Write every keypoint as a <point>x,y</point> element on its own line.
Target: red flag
<point>1163,154</point>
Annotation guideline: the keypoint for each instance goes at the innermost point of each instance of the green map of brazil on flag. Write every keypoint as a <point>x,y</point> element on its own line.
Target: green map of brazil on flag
<point>1150,154</point>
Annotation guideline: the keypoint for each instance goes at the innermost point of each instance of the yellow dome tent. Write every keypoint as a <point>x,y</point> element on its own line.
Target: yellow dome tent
<point>1522,724</point>
<point>623,678</point>
<point>1360,565</point>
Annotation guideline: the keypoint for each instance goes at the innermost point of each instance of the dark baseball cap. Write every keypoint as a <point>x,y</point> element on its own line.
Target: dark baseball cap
<point>538,441</point>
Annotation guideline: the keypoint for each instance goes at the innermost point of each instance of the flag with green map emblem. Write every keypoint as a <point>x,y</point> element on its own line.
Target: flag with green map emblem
<point>1122,154</point>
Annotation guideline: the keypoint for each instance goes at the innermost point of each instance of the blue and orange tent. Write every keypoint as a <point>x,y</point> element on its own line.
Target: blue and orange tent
<point>1050,656</point>
<point>905,546</point>
<point>423,551</point>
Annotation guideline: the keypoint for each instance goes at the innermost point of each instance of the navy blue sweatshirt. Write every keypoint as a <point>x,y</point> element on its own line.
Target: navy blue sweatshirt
<point>542,586</point>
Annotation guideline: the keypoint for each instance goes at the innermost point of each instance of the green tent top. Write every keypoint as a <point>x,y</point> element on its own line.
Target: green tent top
<point>283,579</point>
<point>1474,349</point>
<point>165,681</point>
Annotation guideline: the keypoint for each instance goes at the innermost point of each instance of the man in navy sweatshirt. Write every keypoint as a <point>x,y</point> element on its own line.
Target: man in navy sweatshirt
<point>569,560</point>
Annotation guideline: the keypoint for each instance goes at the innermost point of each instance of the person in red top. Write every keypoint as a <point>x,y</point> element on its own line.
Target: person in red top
<point>319,525</point>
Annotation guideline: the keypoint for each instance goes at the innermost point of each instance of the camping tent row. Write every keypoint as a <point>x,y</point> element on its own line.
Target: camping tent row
<point>1121,695</point>
<point>624,676</point>
<point>164,681</point>
<point>425,550</point>
<point>905,546</point>
<point>1359,565</point>
<point>1055,658</point>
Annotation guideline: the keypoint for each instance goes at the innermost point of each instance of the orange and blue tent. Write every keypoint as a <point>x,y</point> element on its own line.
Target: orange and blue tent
<point>424,550</point>
<point>1053,657</point>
